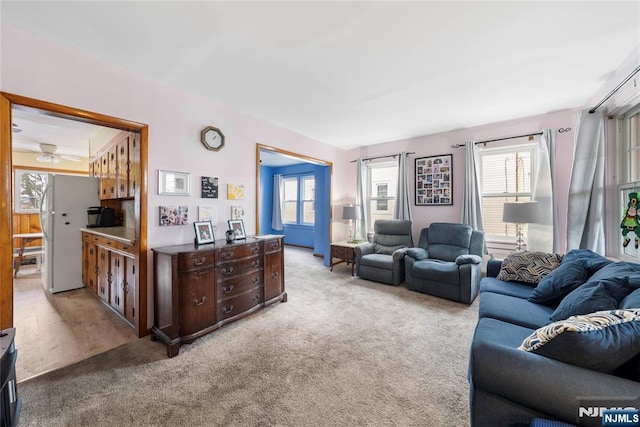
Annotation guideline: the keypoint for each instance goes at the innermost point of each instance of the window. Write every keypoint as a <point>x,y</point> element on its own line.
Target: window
<point>29,186</point>
<point>299,200</point>
<point>506,176</point>
<point>382,185</point>
<point>627,225</point>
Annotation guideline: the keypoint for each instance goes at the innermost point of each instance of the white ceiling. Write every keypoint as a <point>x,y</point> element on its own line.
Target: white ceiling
<point>357,73</point>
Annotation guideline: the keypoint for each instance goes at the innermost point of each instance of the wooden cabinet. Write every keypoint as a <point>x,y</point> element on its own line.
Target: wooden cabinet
<point>118,168</point>
<point>9,400</point>
<point>199,289</point>
<point>109,271</point>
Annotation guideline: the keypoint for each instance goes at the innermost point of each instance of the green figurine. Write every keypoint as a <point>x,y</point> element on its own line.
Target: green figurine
<point>630,221</point>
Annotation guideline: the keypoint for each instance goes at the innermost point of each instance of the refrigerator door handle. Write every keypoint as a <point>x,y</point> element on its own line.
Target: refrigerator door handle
<point>43,213</point>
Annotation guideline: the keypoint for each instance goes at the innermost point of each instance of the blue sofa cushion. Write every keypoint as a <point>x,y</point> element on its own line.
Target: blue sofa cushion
<point>378,261</point>
<point>560,282</point>
<point>517,311</point>
<point>528,267</point>
<point>595,261</point>
<point>592,296</point>
<point>438,271</point>
<point>631,301</point>
<point>617,269</point>
<point>491,284</point>
<point>601,341</point>
<point>448,241</point>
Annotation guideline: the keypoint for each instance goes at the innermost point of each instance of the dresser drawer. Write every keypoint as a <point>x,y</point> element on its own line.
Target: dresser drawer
<point>196,301</point>
<point>233,268</point>
<point>191,260</point>
<point>238,305</point>
<point>239,251</point>
<point>236,285</point>
<point>272,245</point>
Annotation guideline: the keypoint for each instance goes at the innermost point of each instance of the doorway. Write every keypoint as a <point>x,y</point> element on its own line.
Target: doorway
<point>270,161</point>
<point>9,102</point>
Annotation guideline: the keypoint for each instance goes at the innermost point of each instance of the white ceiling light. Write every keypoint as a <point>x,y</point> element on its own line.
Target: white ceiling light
<point>48,158</point>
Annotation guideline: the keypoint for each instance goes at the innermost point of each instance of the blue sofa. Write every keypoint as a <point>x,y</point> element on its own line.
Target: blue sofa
<point>588,369</point>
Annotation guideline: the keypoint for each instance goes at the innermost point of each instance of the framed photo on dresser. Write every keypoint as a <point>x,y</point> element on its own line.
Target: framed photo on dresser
<point>434,180</point>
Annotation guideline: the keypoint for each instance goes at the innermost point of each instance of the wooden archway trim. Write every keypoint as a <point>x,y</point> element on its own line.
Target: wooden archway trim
<point>9,101</point>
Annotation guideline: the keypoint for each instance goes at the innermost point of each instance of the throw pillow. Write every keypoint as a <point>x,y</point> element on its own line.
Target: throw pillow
<point>631,301</point>
<point>604,294</point>
<point>560,282</point>
<point>601,341</point>
<point>595,261</point>
<point>528,267</point>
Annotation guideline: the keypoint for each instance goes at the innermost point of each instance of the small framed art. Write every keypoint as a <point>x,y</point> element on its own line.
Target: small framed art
<point>434,180</point>
<point>237,225</point>
<point>173,183</point>
<point>209,187</point>
<point>204,232</point>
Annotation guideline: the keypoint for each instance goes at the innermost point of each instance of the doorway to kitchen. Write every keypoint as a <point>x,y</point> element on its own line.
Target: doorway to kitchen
<point>74,323</point>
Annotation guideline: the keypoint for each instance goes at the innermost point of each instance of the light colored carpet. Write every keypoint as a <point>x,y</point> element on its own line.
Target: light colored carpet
<point>341,352</point>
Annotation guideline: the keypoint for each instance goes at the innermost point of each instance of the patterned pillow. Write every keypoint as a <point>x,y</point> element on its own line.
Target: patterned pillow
<point>601,341</point>
<point>528,267</point>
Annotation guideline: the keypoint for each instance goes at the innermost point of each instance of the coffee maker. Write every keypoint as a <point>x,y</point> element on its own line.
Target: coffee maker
<point>93,216</point>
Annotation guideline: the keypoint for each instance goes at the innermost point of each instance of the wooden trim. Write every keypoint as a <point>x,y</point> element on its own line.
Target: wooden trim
<point>9,101</point>
<point>48,170</point>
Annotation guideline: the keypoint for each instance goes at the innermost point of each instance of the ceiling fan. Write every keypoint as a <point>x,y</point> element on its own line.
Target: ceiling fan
<point>49,154</point>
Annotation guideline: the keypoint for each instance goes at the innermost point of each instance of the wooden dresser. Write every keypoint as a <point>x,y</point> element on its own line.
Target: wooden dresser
<point>197,289</point>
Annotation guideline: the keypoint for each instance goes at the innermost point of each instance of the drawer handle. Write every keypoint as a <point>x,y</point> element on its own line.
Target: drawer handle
<point>199,261</point>
<point>255,298</point>
<point>227,289</point>
<point>227,310</point>
<point>275,275</point>
<point>274,245</point>
<point>255,263</point>
<point>226,255</point>
<point>202,300</point>
<point>255,249</point>
<point>227,270</point>
<point>255,280</point>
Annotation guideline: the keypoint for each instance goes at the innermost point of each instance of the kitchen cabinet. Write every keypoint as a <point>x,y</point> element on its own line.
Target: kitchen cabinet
<point>198,289</point>
<point>109,271</point>
<point>118,167</point>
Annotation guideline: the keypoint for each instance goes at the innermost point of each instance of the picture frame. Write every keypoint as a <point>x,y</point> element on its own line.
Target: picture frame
<point>204,232</point>
<point>173,215</point>
<point>173,183</point>
<point>209,187</point>
<point>237,225</point>
<point>434,180</point>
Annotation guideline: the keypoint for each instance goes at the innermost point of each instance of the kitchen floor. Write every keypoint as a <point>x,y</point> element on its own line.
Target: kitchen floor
<point>56,330</point>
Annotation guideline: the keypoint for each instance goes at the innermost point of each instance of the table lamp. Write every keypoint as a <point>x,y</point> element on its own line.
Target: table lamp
<point>521,213</point>
<point>351,213</point>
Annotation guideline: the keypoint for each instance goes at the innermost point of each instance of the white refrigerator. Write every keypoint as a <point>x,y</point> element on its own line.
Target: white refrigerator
<point>63,212</point>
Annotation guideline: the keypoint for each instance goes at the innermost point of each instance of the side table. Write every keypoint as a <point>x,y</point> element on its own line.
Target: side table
<point>344,252</point>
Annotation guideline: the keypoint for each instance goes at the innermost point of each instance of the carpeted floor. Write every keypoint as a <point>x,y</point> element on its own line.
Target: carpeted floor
<point>341,352</point>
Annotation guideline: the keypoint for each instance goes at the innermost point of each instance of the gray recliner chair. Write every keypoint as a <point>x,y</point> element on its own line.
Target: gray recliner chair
<point>447,262</point>
<point>383,259</point>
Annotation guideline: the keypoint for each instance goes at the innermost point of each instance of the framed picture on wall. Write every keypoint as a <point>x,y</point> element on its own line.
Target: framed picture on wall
<point>434,180</point>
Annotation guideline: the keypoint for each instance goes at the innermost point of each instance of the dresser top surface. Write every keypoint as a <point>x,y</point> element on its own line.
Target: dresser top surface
<point>218,245</point>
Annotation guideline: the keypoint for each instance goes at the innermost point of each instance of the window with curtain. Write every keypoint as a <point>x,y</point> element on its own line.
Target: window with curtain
<point>506,176</point>
<point>298,206</point>
<point>628,141</point>
<point>382,185</point>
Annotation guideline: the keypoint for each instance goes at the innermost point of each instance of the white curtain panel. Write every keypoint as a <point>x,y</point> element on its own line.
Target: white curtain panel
<point>541,236</point>
<point>276,217</point>
<point>585,216</point>
<point>403,198</point>
<point>471,200</point>
<point>361,195</point>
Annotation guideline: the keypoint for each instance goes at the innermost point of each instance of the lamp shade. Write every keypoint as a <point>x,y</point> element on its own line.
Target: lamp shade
<point>351,212</point>
<point>521,213</point>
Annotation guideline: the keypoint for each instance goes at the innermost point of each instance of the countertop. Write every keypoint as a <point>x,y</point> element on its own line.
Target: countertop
<point>124,234</point>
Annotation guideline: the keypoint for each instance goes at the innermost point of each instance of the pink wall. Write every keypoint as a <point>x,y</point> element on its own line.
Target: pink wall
<point>441,143</point>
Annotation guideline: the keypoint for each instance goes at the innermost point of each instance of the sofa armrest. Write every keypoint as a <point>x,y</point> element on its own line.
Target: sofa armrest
<point>541,383</point>
<point>468,259</point>
<point>362,250</point>
<point>493,267</point>
<point>417,253</point>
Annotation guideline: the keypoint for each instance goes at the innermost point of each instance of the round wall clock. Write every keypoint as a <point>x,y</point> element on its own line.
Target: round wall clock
<point>212,138</point>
